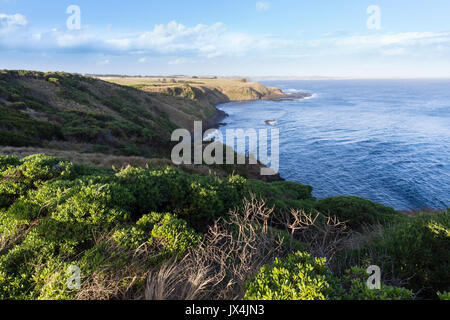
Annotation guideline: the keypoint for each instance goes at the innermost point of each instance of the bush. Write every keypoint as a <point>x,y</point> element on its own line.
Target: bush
<point>355,288</point>
<point>444,296</point>
<point>96,205</point>
<point>297,277</point>
<point>55,214</point>
<point>7,161</point>
<point>53,80</point>
<point>20,129</point>
<point>302,277</point>
<point>144,186</point>
<point>418,250</point>
<point>357,212</point>
<point>192,197</point>
<point>173,234</point>
<point>18,105</point>
<point>10,230</point>
<point>31,173</point>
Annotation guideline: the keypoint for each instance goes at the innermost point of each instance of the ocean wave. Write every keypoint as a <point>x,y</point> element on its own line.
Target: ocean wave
<point>292,91</point>
<point>313,96</point>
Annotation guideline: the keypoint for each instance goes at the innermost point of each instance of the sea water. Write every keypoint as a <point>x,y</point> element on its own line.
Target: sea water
<point>384,140</point>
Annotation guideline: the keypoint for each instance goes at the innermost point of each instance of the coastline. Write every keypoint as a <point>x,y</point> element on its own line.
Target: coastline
<point>414,211</point>
<point>215,121</point>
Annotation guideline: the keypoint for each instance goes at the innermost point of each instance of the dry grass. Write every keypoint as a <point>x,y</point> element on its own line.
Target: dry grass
<point>324,235</point>
<point>232,251</point>
<point>112,282</point>
<point>170,81</point>
<point>107,161</point>
<point>235,89</point>
<point>236,248</point>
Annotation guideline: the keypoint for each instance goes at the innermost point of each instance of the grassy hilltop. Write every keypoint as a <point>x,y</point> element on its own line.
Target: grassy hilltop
<point>148,230</point>
<point>212,90</point>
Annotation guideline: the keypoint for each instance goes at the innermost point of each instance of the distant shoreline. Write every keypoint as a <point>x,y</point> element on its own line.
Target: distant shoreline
<point>216,120</point>
<point>281,78</point>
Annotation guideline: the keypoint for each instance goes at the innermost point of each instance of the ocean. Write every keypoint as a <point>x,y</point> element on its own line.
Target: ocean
<point>384,140</point>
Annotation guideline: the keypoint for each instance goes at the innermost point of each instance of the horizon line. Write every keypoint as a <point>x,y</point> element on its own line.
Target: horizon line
<point>250,77</point>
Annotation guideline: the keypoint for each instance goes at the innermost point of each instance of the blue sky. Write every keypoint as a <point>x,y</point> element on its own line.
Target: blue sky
<point>246,37</point>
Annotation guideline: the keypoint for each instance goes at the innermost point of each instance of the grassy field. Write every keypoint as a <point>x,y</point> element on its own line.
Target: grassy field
<point>225,89</point>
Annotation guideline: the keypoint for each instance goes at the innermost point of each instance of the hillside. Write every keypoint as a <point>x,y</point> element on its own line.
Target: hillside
<point>70,112</point>
<point>203,93</point>
<point>205,90</point>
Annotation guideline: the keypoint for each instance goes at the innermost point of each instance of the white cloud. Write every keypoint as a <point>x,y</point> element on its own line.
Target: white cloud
<point>394,52</point>
<point>103,62</point>
<point>205,41</point>
<point>387,44</point>
<point>11,22</point>
<point>263,5</point>
<point>404,38</point>
<point>188,43</point>
<point>335,33</point>
<point>178,61</point>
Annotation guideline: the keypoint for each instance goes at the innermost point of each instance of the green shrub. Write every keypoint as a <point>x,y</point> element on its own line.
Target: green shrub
<point>10,230</point>
<point>297,277</point>
<point>357,212</point>
<point>152,189</point>
<point>53,80</point>
<point>18,105</point>
<point>173,234</point>
<point>418,250</point>
<point>302,277</point>
<point>50,281</point>
<point>134,237</point>
<point>193,197</point>
<point>281,189</point>
<point>167,235</point>
<point>24,209</point>
<point>7,161</point>
<point>23,269</point>
<point>55,214</point>
<point>97,205</point>
<point>31,173</point>
<point>444,296</point>
<point>38,168</point>
<point>355,288</point>
<point>20,129</point>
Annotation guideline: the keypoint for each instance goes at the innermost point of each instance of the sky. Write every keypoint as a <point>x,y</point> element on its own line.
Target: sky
<point>303,38</point>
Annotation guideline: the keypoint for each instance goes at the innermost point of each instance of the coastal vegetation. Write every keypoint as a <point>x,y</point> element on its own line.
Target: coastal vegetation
<point>85,181</point>
<point>125,227</point>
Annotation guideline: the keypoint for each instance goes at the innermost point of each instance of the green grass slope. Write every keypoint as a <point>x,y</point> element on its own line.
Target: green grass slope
<point>66,111</point>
